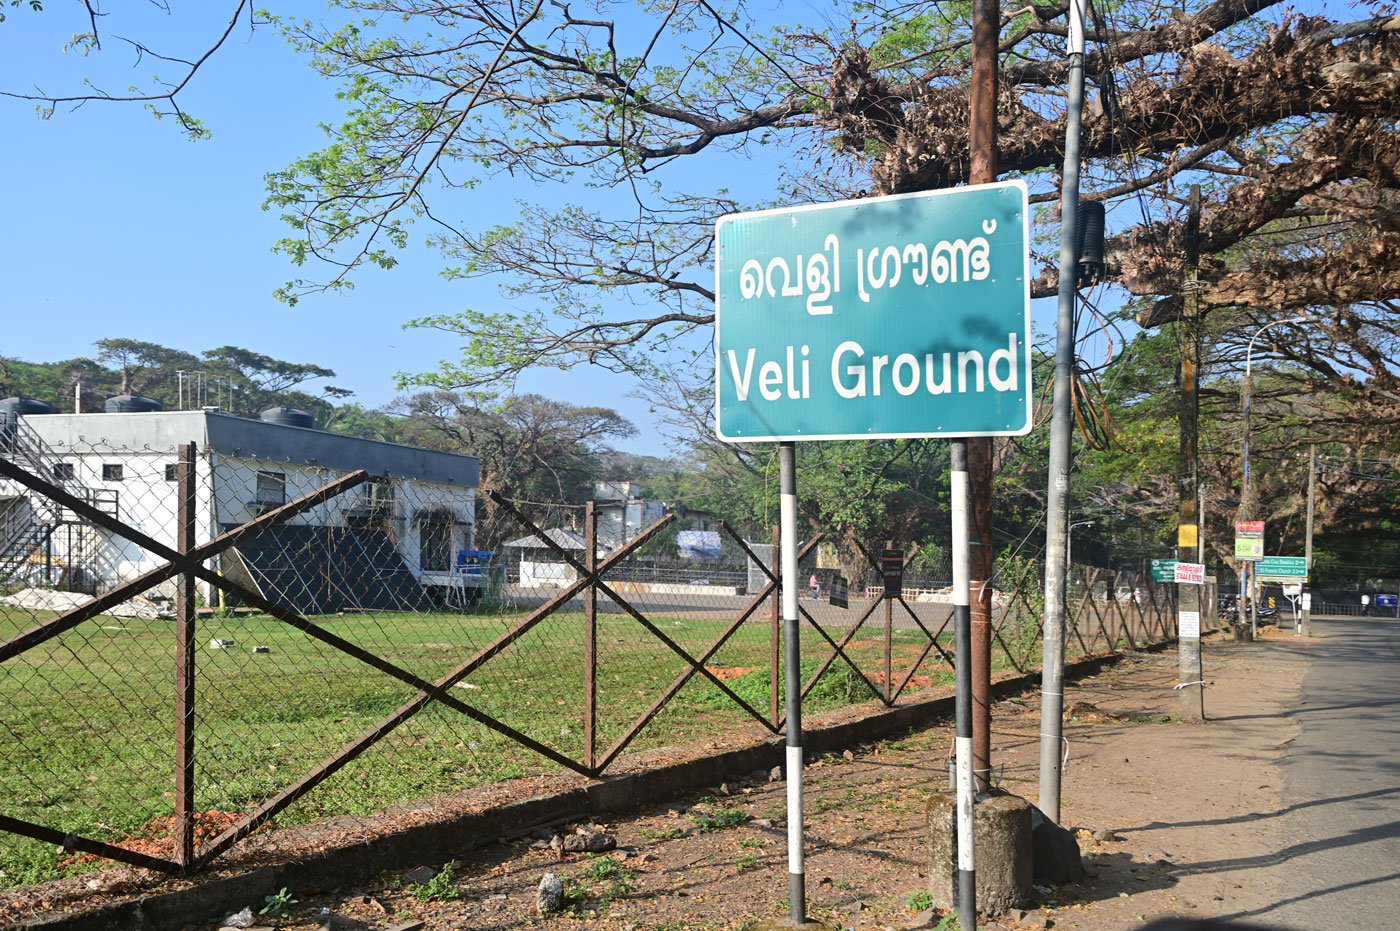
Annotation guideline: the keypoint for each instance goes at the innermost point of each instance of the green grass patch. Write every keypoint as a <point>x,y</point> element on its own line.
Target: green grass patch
<point>919,900</point>
<point>721,819</point>
<point>600,882</point>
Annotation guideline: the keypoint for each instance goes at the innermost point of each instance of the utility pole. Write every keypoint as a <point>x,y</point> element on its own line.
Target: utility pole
<point>1201,523</point>
<point>1057,526</point>
<point>982,151</point>
<point>1210,598</point>
<point>1307,545</point>
<point>1191,685</point>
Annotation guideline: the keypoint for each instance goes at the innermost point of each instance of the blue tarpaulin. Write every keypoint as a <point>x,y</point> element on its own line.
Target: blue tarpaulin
<point>699,544</point>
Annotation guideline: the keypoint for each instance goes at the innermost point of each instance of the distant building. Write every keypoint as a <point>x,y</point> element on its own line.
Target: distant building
<point>540,564</point>
<point>622,514</point>
<point>390,543</point>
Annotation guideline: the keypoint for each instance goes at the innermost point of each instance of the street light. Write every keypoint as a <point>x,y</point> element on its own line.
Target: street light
<point>1247,506</point>
<point>1069,543</point>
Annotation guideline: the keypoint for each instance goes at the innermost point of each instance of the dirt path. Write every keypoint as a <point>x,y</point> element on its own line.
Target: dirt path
<point>1184,800</point>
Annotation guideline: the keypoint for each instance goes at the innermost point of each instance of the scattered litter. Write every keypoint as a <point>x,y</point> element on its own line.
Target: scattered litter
<point>243,919</point>
<point>262,648</point>
<point>220,644</point>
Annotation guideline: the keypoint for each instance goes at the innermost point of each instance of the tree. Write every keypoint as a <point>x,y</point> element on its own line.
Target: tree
<point>1286,120</point>
<point>82,28</point>
<point>242,381</point>
<point>531,447</point>
<point>354,419</point>
<point>260,381</point>
<point>144,366</point>
<point>489,87</point>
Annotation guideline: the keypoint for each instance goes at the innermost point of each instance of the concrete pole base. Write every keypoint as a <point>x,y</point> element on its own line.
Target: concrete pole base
<point>788,923</point>
<point>1004,865</point>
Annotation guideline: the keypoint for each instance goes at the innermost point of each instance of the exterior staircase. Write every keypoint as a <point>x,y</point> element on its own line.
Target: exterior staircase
<point>28,519</point>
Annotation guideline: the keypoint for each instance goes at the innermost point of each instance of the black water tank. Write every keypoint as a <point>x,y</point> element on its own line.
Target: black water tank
<point>11,409</point>
<point>288,417</point>
<point>133,404</point>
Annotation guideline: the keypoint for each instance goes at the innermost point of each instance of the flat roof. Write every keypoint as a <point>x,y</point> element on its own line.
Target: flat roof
<point>232,435</point>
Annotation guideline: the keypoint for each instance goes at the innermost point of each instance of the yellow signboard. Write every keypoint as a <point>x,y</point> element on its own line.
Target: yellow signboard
<point>1187,535</point>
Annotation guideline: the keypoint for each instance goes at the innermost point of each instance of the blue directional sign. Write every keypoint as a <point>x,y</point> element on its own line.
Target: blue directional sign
<point>902,316</point>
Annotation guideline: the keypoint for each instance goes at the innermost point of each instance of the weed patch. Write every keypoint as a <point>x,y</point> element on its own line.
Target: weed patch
<point>719,820</point>
<point>442,887</point>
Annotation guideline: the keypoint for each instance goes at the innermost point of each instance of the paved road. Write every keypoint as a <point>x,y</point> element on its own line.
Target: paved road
<point>1340,863</point>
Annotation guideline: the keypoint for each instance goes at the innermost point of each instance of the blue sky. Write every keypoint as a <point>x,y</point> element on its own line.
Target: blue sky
<point>116,225</point>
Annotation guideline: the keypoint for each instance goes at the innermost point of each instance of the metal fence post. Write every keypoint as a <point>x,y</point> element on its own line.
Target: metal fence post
<point>775,707</point>
<point>590,639</point>
<point>889,636</point>
<point>185,617</point>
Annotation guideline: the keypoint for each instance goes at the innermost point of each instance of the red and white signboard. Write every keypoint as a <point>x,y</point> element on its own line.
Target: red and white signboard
<point>1190,573</point>
<point>1249,540</point>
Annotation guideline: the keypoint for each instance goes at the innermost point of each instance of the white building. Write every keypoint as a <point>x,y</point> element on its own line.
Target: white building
<point>622,514</point>
<point>392,542</point>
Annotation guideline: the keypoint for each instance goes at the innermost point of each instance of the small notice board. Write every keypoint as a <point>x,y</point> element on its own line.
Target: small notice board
<point>892,569</point>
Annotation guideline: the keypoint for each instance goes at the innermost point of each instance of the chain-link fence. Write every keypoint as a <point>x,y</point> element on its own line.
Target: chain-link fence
<point>197,643</point>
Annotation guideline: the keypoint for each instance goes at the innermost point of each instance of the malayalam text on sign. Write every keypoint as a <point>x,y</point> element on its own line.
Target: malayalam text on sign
<point>883,317</point>
<point>1189,573</point>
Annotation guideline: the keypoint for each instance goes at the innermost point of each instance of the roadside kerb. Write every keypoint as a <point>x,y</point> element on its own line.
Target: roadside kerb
<point>436,842</point>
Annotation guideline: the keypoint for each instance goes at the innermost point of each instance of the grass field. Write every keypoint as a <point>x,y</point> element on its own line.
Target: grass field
<point>87,719</point>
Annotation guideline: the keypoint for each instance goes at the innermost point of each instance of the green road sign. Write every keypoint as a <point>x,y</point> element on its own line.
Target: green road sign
<point>902,316</point>
<point>1282,568</point>
<point>1164,570</point>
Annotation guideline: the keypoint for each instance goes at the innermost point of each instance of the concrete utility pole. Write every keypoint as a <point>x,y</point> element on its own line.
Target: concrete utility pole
<point>1307,544</point>
<point>1190,672</point>
<point>1210,594</point>
<point>1058,551</point>
<point>982,150</point>
<point>1248,506</point>
<point>1201,526</point>
<point>1248,584</point>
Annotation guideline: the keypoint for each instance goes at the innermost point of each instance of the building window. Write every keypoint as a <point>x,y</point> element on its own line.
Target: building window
<point>172,473</point>
<point>379,494</point>
<point>111,472</point>
<point>272,489</point>
<point>435,542</point>
<point>63,471</point>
